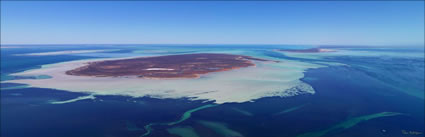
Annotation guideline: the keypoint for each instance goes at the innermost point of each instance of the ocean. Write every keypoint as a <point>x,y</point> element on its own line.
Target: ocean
<point>369,93</point>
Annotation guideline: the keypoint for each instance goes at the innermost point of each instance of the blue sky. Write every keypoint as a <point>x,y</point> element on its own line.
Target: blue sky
<point>213,22</point>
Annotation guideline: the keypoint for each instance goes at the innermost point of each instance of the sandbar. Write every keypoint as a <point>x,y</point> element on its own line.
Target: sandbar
<point>266,78</point>
<point>311,50</point>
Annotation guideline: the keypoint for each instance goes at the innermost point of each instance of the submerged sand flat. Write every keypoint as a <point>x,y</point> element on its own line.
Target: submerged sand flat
<point>239,85</point>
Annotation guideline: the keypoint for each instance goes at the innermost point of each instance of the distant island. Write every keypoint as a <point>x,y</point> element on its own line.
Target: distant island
<point>311,50</point>
<point>171,66</point>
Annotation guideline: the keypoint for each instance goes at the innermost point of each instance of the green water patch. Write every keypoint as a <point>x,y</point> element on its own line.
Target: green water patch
<point>6,77</point>
<point>288,110</point>
<point>10,77</point>
<point>185,131</point>
<point>220,128</point>
<point>42,77</point>
<point>149,128</point>
<point>244,112</point>
<point>15,87</point>
<point>349,123</point>
<point>131,126</point>
<point>186,115</point>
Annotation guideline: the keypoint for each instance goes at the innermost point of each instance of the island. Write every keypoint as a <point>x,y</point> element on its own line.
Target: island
<point>311,50</point>
<point>170,66</point>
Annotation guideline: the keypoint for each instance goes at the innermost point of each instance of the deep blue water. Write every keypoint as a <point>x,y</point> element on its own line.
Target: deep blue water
<point>369,85</point>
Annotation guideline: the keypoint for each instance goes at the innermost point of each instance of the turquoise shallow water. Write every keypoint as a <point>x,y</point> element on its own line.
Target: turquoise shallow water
<point>369,96</point>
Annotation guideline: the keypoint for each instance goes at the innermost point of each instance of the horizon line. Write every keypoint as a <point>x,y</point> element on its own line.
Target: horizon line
<point>213,44</point>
